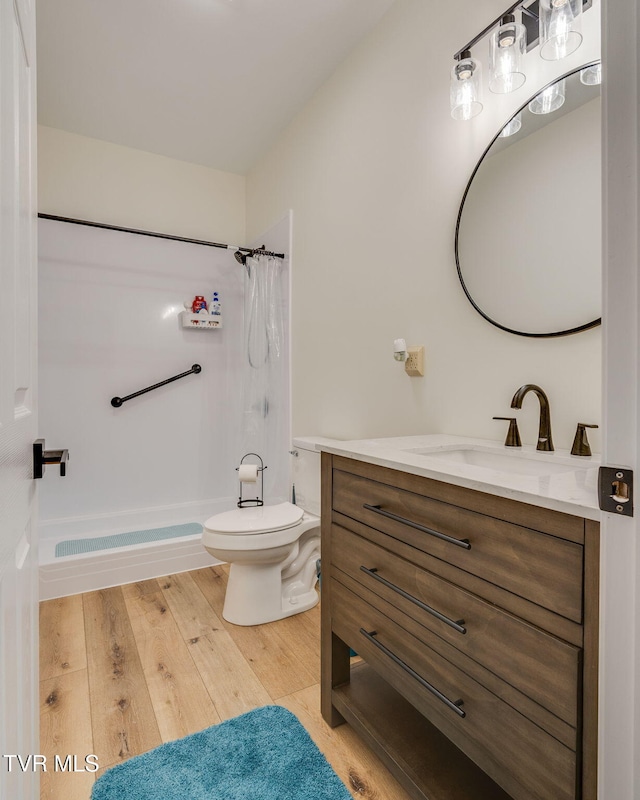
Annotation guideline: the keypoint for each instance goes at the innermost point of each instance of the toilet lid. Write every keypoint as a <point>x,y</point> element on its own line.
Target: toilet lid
<point>255,519</point>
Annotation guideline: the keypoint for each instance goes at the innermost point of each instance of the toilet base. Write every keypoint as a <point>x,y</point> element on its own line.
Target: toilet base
<point>239,610</point>
<point>258,593</point>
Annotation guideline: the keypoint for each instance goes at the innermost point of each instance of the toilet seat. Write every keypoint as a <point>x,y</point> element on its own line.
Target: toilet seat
<point>253,520</point>
<point>248,542</point>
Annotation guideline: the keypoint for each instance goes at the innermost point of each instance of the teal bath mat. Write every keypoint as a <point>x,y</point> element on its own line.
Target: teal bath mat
<point>73,547</point>
<point>263,755</point>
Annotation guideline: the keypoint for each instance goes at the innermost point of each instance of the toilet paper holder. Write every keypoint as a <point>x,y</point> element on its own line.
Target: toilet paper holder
<point>252,501</point>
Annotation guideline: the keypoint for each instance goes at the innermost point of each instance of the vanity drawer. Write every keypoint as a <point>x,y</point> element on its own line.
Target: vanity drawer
<point>529,763</point>
<point>499,641</point>
<point>544,569</point>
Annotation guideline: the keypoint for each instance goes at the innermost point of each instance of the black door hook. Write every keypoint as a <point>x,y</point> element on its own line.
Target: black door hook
<point>42,457</point>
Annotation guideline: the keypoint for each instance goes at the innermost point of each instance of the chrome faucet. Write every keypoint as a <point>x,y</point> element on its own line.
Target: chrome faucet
<point>545,442</point>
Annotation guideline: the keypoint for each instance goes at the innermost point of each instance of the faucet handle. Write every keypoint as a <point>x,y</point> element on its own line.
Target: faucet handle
<point>580,442</point>
<point>513,434</point>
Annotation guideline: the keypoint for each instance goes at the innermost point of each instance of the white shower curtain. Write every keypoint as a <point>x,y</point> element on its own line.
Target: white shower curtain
<point>264,428</point>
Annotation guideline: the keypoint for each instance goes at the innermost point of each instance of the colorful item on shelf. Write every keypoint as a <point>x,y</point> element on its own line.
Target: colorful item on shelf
<point>199,304</point>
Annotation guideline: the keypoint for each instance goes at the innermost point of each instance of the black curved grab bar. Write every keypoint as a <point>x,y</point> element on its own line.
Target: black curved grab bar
<point>116,402</point>
<point>464,543</point>
<point>456,624</point>
<point>454,705</point>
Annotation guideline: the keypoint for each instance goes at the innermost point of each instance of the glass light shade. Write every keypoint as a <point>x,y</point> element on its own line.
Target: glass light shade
<point>550,99</point>
<point>465,91</point>
<point>591,76</point>
<point>505,58</point>
<point>513,126</point>
<point>560,28</point>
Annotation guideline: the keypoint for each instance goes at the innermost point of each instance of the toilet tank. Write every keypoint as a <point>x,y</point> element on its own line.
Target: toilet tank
<point>306,471</point>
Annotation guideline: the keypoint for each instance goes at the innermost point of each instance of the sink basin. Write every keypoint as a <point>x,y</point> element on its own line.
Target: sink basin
<point>518,462</point>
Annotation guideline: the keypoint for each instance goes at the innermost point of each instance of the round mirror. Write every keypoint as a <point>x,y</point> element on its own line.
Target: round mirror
<point>528,237</point>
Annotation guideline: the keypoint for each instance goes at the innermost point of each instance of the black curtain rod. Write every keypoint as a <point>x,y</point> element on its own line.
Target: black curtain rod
<point>156,235</point>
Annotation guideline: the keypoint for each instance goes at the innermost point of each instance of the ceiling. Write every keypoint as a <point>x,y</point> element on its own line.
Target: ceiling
<point>212,82</point>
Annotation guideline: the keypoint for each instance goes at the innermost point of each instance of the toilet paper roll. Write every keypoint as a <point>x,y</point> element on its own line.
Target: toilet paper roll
<point>248,473</point>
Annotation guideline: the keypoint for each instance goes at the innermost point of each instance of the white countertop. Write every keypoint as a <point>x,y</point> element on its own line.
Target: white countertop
<point>557,480</point>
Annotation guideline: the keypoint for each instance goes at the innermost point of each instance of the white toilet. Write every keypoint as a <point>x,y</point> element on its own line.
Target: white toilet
<point>272,550</point>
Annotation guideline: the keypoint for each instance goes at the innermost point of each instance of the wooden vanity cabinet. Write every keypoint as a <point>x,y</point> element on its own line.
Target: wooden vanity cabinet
<point>475,621</point>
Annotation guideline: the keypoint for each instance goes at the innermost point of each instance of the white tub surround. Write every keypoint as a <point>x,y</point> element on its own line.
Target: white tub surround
<point>556,480</point>
<point>167,457</point>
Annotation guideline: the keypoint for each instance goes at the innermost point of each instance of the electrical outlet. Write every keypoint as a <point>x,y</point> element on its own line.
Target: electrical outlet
<point>414,365</point>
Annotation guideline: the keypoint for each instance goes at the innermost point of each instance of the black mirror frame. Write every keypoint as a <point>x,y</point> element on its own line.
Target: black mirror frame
<point>587,326</point>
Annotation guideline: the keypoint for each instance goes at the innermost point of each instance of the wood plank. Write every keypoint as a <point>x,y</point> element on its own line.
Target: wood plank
<point>124,724</point>
<point>303,631</point>
<point>271,650</point>
<point>193,614</point>
<point>140,588</point>
<point>229,679</point>
<point>65,729</point>
<point>180,701</point>
<point>215,580</point>
<point>62,644</point>
<point>362,772</point>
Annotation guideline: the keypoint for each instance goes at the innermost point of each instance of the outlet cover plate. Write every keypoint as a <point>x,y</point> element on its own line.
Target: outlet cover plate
<point>414,365</point>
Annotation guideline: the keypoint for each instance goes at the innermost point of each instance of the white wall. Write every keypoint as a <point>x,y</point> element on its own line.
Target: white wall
<point>374,169</point>
<point>103,182</point>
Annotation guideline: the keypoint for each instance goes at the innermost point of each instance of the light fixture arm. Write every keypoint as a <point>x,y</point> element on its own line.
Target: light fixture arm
<point>489,28</point>
<point>530,13</point>
<point>528,7</point>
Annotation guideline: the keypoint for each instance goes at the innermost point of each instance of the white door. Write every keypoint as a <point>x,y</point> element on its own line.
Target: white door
<point>619,734</point>
<point>18,420</point>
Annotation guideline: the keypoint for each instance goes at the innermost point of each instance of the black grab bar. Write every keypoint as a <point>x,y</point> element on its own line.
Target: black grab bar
<point>116,402</point>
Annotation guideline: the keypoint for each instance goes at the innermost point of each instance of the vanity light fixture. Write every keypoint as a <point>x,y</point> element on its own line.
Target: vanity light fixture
<point>552,25</point>
<point>506,49</point>
<point>466,87</point>
<point>591,76</point>
<point>513,126</point>
<point>549,99</point>
<point>560,24</point>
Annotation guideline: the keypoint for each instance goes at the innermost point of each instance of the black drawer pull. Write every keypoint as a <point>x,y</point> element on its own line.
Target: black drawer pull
<point>457,625</point>
<point>454,705</point>
<point>464,543</point>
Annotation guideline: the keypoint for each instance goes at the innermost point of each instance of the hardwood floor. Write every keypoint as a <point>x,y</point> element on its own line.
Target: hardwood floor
<point>123,670</point>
